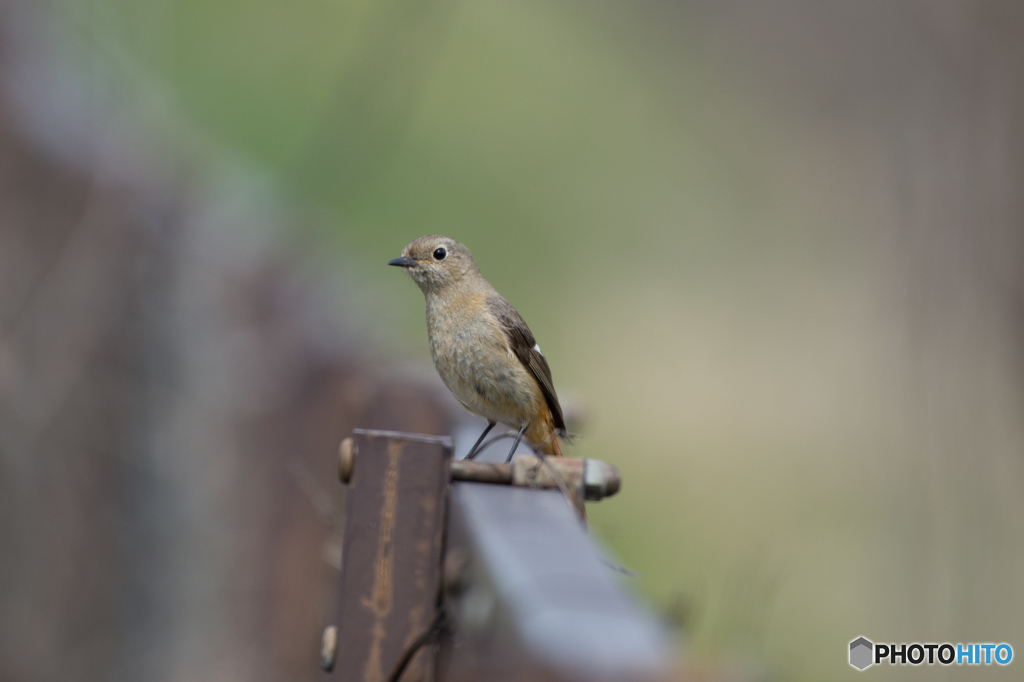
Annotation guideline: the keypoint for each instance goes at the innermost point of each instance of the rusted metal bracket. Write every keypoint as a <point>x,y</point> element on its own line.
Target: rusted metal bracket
<point>588,479</point>
<point>522,582</point>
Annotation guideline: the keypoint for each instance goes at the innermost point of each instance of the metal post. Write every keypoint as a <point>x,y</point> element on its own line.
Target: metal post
<point>391,557</point>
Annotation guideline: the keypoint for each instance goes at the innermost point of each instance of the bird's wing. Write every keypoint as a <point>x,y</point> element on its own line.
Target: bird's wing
<point>520,340</point>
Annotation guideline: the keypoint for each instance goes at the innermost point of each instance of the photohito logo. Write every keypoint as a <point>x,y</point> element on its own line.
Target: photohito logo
<point>865,653</point>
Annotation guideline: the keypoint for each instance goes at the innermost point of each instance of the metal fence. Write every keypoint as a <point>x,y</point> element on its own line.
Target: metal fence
<point>455,571</point>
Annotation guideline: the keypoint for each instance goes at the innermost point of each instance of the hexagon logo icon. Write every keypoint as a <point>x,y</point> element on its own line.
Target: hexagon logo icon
<point>860,653</point>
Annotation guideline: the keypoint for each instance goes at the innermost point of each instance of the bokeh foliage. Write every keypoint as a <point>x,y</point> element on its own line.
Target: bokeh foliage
<point>710,257</point>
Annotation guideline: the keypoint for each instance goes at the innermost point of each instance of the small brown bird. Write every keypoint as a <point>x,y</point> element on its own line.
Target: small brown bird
<point>482,348</point>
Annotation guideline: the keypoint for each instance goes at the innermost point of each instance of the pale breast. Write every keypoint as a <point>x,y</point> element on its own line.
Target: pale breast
<point>471,355</point>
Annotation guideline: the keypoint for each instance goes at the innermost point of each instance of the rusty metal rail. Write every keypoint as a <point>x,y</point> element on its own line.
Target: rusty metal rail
<point>589,479</point>
<point>515,591</point>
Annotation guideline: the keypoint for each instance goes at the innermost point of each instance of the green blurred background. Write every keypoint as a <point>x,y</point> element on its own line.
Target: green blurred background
<point>775,252</point>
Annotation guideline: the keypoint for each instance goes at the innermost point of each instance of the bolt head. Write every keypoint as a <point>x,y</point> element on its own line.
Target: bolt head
<point>328,647</point>
<point>346,460</point>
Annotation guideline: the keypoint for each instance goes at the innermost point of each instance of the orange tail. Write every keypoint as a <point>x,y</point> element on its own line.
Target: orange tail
<point>543,436</point>
<point>556,447</point>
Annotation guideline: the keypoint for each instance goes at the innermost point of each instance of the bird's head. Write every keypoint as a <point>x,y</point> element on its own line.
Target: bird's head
<point>436,263</point>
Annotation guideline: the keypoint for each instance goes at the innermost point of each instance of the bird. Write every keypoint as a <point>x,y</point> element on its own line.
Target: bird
<point>482,348</point>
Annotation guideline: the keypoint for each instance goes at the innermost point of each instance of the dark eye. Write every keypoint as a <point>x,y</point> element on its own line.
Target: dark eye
<point>440,253</point>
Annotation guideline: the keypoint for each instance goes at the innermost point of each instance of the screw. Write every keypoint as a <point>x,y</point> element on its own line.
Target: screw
<point>346,460</point>
<point>328,647</point>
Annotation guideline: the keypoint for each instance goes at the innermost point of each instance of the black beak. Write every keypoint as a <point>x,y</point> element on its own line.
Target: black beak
<point>404,261</point>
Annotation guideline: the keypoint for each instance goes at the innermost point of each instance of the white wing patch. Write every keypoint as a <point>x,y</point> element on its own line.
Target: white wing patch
<point>536,347</point>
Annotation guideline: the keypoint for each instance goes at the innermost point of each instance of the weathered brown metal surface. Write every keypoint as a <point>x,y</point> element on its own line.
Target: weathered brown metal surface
<point>582,478</point>
<point>481,472</point>
<point>533,594</point>
<point>391,560</point>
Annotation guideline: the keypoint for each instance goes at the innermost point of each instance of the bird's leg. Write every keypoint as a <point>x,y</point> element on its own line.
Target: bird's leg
<point>473,450</point>
<point>515,445</point>
<point>492,440</point>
